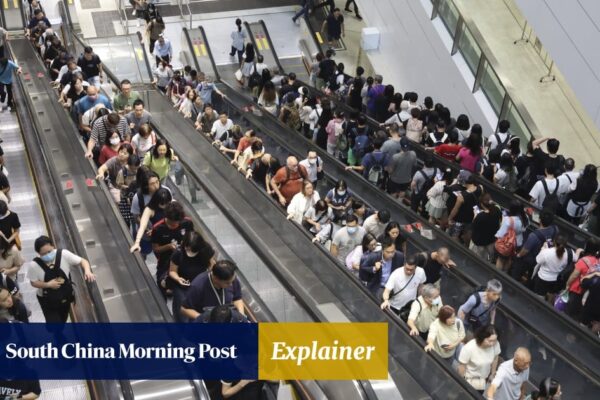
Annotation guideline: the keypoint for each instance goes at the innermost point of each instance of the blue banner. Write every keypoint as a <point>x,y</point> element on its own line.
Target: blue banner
<point>129,351</point>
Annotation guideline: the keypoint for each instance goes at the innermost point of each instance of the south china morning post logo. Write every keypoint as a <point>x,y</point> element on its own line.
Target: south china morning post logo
<point>331,351</point>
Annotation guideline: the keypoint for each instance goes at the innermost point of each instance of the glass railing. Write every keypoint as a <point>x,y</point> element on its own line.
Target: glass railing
<point>469,43</point>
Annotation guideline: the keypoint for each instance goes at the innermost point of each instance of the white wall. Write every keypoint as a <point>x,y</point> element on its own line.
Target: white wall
<point>570,32</point>
<point>413,57</point>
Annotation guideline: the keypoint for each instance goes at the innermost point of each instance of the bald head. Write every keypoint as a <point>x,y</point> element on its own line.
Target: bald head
<point>521,359</point>
<point>292,163</point>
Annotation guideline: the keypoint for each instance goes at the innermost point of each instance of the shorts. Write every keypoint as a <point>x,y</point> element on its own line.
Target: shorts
<point>543,287</point>
<point>393,187</point>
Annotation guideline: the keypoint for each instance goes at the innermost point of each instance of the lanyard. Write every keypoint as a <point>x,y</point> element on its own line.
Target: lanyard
<point>220,300</point>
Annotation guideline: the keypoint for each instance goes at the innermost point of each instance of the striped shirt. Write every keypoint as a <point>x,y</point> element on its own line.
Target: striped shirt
<point>102,127</point>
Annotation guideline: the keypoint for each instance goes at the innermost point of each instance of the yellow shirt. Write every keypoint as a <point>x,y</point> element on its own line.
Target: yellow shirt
<point>160,165</point>
<point>442,334</point>
<point>423,314</point>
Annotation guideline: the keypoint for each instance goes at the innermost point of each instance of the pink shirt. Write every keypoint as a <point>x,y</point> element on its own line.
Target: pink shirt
<point>468,161</point>
<point>330,129</point>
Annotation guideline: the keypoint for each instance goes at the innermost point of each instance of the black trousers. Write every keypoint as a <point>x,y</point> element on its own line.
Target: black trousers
<point>166,58</point>
<point>347,6</point>
<point>6,88</point>
<point>330,3</point>
<point>54,313</point>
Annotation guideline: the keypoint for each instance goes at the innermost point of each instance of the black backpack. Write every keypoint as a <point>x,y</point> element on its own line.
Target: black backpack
<point>474,319</point>
<point>551,200</point>
<point>429,181</point>
<point>497,151</point>
<point>564,275</point>
<point>255,79</point>
<point>64,294</point>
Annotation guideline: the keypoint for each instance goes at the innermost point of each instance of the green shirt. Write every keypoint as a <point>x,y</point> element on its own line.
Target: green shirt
<point>120,102</point>
<point>159,165</point>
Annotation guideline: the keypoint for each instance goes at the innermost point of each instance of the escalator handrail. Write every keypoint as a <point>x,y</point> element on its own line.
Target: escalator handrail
<point>503,277</point>
<point>188,40</point>
<point>146,58</point>
<point>313,34</point>
<point>210,54</point>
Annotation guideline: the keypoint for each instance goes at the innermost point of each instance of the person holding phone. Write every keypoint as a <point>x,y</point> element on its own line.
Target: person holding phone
<point>445,333</point>
<point>193,258</point>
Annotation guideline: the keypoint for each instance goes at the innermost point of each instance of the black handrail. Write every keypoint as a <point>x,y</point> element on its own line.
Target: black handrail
<point>209,52</point>
<point>146,60</point>
<point>186,33</point>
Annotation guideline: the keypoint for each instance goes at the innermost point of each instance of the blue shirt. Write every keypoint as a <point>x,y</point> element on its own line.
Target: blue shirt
<point>205,91</point>
<point>377,157</point>
<point>163,50</point>
<point>7,73</point>
<point>85,103</point>
<point>386,271</point>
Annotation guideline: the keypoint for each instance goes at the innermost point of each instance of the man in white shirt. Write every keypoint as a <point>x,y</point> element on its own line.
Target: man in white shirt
<point>566,179</point>
<point>538,192</point>
<point>403,286</point>
<point>509,382</point>
<point>502,134</point>
<point>220,126</point>
<point>376,223</point>
<point>313,165</point>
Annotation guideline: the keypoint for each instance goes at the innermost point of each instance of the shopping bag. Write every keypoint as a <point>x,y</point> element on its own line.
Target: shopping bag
<point>238,75</point>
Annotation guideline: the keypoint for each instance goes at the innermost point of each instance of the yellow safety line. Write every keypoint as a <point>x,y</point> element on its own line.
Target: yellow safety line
<point>203,48</point>
<point>265,43</point>
<point>140,54</point>
<point>6,4</point>
<point>258,44</point>
<point>196,50</point>
<point>16,3</point>
<point>319,38</point>
<point>70,1</point>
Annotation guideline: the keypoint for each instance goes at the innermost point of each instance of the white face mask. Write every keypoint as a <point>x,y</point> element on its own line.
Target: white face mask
<point>341,192</point>
<point>115,141</point>
<point>437,301</point>
<point>312,161</point>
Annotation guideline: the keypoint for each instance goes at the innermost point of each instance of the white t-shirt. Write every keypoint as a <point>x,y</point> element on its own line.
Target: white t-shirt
<point>218,129</point>
<point>142,145</point>
<point>570,185</point>
<point>373,226</point>
<point>398,280</point>
<point>68,260</point>
<point>550,264</point>
<point>538,194</point>
<point>478,361</point>
<point>494,143</point>
<point>508,381</point>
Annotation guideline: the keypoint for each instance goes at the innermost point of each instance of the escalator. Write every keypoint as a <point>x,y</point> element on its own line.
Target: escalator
<point>124,291</point>
<point>13,15</point>
<point>563,348</point>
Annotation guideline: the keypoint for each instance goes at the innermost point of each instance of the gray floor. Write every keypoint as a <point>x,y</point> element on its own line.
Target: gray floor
<point>25,202</point>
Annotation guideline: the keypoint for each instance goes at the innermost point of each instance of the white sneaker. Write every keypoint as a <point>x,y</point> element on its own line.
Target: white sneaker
<point>137,23</point>
<point>134,12</point>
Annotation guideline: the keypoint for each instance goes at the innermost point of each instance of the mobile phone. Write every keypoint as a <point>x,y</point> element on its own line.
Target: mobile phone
<point>445,346</point>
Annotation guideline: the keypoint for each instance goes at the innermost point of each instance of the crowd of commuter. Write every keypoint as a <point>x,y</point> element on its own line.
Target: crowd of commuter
<point>135,163</point>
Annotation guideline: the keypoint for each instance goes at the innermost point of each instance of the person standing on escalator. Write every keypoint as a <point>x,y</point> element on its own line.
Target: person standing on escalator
<point>6,76</point>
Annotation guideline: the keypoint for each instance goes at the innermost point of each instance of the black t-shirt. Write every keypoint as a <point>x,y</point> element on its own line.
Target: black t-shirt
<point>465,213</point>
<point>433,270</point>
<point>190,267</point>
<point>334,25</point>
<point>19,388</point>
<point>326,69</point>
<point>9,223</point>
<point>202,294</point>
<point>3,182</point>
<point>541,158</point>
<point>485,225</point>
<point>260,170</point>
<point>162,234</point>
<point>89,67</point>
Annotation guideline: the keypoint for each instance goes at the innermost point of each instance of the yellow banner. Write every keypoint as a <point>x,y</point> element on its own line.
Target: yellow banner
<point>323,351</point>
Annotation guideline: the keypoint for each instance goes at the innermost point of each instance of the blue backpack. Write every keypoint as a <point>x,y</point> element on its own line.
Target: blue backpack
<point>360,146</point>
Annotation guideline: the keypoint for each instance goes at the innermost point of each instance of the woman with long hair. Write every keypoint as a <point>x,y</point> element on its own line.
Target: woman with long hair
<point>238,37</point>
<point>248,63</point>
<point>436,205</point>
<point>469,156</point>
<point>269,99</point>
<point>516,219</point>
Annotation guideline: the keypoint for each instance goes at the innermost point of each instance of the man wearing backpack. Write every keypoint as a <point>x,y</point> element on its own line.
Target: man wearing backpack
<point>50,274</point>
<point>524,261</point>
<point>422,181</point>
<point>361,140</point>
<point>373,165</point>
<point>480,307</point>
<point>545,192</point>
<point>499,140</point>
<point>287,182</point>
<point>400,170</point>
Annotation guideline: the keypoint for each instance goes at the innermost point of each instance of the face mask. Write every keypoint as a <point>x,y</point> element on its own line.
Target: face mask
<point>115,141</point>
<point>341,192</point>
<point>436,301</point>
<point>312,161</point>
<point>49,257</point>
<point>352,230</point>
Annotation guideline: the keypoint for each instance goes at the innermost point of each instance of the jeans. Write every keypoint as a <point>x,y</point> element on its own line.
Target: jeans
<point>240,54</point>
<point>303,11</point>
<point>179,293</point>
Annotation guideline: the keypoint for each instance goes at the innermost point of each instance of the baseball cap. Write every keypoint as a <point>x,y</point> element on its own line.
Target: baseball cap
<point>404,143</point>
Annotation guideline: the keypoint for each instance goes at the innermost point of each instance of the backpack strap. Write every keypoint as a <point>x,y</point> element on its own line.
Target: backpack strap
<point>569,178</point>
<point>569,256</point>
<point>545,186</point>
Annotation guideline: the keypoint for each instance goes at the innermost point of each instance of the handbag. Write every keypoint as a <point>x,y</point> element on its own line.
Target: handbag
<point>238,75</point>
<point>506,245</point>
<point>561,301</point>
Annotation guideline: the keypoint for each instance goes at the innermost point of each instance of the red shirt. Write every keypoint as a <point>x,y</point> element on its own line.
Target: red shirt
<point>584,269</point>
<point>448,151</point>
<point>292,185</point>
<point>106,154</point>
